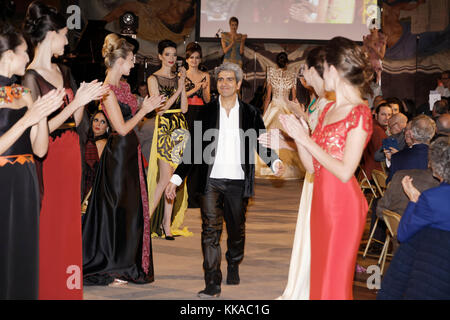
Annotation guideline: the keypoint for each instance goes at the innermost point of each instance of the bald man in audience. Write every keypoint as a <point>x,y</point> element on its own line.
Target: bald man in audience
<point>396,127</point>
<point>442,126</point>
<point>423,129</point>
<point>439,108</point>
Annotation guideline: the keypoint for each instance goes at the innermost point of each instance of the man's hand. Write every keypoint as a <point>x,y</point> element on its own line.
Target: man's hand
<point>171,191</point>
<point>411,191</point>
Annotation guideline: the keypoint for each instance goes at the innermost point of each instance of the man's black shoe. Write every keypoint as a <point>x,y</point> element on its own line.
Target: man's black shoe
<point>233,275</point>
<point>209,292</point>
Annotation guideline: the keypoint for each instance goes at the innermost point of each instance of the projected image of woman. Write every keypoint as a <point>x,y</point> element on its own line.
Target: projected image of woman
<point>323,11</point>
<point>233,43</point>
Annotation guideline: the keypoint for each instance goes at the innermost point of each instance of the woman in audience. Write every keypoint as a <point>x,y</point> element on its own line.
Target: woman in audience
<point>97,136</point>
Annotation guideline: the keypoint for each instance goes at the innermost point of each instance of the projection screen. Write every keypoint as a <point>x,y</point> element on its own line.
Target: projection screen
<point>296,20</point>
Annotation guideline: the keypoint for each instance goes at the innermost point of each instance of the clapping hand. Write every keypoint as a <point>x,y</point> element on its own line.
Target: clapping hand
<point>274,139</point>
<point>296,128</point>
<point>151,103</point>
<point>182,77</point>
<point>87,92</point>
<point>389,152</point>
<point>45,105</point>
<point>296,108</point>
<point>411,191</point>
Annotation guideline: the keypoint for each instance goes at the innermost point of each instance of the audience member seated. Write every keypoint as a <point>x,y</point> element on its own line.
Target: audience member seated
<point>444,84</point>
<point>440,107</point>
<point>382,115</point>
<point>96,140</point>
<point>442,126</point>
<point>429,208</point>
<point>396,127</point>
<point>420,268</point>
<point>394,197</point>
<point>410,108</point>
<point>416,157</point>
<point>396,105</point>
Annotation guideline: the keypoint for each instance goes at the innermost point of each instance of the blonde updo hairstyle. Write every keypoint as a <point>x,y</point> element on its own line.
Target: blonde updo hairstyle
<point>114,48</point>
<point>352,62</point>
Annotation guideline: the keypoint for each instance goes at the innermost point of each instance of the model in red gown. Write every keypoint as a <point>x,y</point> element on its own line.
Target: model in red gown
<point>60,253</point>
<point>338,212</point>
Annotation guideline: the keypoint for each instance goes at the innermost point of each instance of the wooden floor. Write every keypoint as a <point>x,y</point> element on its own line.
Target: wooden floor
<point>270,228</point>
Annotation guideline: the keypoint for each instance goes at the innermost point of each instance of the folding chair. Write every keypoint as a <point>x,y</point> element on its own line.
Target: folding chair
<point>392,220</point>
<point>380,181</point>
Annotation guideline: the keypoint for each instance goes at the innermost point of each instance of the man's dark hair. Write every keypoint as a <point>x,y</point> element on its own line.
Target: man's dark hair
<point>381,105</point>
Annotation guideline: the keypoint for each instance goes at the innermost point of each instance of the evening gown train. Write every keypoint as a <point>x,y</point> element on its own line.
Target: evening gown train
<point>19,213</point>
<point>59,174</point>
<point>116,226</point>
<point>338,212</point>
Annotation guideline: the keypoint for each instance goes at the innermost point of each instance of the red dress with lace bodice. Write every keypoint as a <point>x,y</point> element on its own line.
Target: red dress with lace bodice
<point>338,212</point>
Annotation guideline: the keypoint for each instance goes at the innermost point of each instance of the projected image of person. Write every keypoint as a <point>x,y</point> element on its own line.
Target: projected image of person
<point>323,11</point>
<point>332,153</point>
<point>233,43</point>
<point>281,85</point>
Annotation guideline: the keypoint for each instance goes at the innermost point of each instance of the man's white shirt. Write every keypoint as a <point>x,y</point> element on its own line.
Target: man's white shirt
<point>227,162</point>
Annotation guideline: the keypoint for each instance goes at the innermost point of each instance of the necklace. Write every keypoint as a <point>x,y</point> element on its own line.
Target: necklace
<point>10,92</point>
<point>311,104</point>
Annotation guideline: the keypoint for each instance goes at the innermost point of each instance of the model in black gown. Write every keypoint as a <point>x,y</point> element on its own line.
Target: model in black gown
<point>19,209</point>
<point>116,226</point>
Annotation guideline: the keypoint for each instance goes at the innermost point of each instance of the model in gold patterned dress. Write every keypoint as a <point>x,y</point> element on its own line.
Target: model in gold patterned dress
<point>281,83</point>
<point>169,140</point>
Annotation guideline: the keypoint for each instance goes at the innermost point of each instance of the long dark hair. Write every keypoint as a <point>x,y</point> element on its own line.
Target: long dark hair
<point>91,135</point>
<point>40,19</point>
<point>352,62</point>
<point>166,44</point>
<point>10,38</point>
<point>316,58</point>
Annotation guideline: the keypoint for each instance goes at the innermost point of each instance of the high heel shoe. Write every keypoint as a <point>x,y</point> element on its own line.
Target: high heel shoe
<point>166,236</point>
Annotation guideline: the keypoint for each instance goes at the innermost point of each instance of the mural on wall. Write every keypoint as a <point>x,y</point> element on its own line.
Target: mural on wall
<point>171,19</point>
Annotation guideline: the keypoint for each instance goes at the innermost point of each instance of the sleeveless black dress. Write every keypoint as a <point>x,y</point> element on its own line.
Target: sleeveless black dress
<point>19,214</point>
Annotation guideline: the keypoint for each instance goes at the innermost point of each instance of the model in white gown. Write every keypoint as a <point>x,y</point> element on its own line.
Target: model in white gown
<point>297,287</point>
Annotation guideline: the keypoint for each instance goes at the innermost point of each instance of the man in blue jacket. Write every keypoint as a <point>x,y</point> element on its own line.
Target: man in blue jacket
<point>416,157</point>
